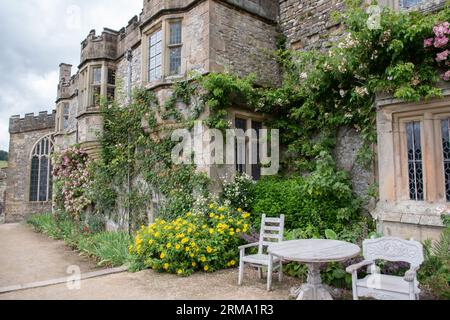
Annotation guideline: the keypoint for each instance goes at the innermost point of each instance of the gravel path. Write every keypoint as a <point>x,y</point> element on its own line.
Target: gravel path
<point>27,256</point>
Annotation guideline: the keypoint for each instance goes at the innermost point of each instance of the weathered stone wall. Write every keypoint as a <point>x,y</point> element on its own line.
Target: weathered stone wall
<point>122,75</point>
<point>307,23</point>
<point>24,133</point>
<point>2,194</point>
<point>196,39</point>
<point>349,143</point>
<point>429,5</point>
<point>242,43</point>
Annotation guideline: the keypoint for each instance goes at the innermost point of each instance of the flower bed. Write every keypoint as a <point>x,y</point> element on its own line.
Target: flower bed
<point>107,248</point>
<point>193,242</point>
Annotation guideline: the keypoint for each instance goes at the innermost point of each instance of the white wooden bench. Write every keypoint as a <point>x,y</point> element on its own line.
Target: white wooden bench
<point>387,287</point>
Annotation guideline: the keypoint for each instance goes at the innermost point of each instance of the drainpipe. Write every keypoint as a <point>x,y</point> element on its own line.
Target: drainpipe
<point>129,57</point>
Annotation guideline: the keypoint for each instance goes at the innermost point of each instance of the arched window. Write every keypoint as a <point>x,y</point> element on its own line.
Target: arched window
<point>41,170</point>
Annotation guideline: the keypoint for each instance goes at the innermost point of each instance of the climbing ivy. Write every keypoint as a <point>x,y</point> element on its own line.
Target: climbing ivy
<point>134,164</point>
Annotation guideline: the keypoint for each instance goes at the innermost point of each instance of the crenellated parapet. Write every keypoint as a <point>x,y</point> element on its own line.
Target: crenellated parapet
<point>129,36</point>
<point>32,122</point>
<point>102,46</point>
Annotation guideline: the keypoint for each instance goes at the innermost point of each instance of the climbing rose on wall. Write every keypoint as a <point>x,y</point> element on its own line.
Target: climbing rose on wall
<point>72,178</point>
<point>440,41</point>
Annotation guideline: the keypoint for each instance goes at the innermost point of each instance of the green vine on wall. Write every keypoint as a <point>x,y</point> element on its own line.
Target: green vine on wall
<point>135,165</point>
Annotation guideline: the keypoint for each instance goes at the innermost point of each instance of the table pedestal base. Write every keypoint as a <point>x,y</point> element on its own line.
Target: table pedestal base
<point>307,292</point>
<point>313,290</point>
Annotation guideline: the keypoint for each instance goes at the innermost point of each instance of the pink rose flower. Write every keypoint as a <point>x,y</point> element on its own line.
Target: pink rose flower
<point>427,42</point>
<point>441,29</point>
<point>442,56</point>
<point>446,76</point>
<point>440,42</point>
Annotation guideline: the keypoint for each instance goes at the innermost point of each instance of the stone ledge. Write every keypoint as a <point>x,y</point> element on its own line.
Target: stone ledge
<point>53,282</point>
<point>409,212</point>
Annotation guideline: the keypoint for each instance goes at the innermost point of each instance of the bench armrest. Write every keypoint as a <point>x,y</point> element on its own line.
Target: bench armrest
<point>250,245</point>
<point>355,267</point>
<point>410,275</point>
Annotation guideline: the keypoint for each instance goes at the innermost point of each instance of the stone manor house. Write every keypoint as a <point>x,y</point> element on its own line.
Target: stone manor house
<point>171,38</point>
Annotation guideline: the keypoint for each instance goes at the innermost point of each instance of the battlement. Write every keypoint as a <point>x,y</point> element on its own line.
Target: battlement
<point>132,25</point>
<point>32,122</point>
<point>129,36</point>
<point>102,46</point>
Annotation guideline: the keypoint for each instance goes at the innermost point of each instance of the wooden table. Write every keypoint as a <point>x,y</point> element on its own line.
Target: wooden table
<point>313,253</point>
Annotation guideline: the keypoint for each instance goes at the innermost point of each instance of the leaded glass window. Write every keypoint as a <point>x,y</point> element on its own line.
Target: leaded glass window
<point>240,146</point>
<point>66,112</point>
<point>256,167</point>
<point>155,56</point>
<point>446,154</point>
<point>175,44</point>
<point>415,168</point>
<point>41,171</point>
<point>96,85</point>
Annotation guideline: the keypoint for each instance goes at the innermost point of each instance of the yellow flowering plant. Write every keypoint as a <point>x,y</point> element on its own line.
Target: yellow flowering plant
<point>193,242</point>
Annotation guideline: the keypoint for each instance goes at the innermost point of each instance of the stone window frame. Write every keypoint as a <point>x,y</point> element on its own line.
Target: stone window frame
<point>111,86</point>
<point>174,45</point>
<point>93,100</point>
<point>249,117</point>
<point>34,153</point>
<point>162,24</point>
<point>86,82</point>
<point>430,117</point>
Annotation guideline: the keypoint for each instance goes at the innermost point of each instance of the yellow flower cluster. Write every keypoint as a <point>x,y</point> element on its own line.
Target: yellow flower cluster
<point>192,242</point>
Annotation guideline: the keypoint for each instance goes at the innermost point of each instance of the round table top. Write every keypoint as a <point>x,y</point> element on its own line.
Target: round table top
<point>314,250</point>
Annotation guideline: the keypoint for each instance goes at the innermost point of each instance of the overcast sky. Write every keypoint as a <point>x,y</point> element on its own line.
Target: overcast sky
<point>37,35</point>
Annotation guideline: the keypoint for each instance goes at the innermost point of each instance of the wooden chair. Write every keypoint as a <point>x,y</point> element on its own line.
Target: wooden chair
<point>386,287</point>
<point>272,230</point>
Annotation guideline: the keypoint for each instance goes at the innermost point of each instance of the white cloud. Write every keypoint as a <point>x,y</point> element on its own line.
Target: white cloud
<point>40,35</point>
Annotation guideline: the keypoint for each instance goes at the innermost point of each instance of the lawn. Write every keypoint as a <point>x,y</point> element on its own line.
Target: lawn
<point>3,164</point>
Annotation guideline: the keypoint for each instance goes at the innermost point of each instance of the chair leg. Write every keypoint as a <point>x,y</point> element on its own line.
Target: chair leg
<point>241,272</point>
<point>260,273</point>
<point>280,271</point>
<point>354,286</point>
<point>412,294</point>
<point>269,273</point>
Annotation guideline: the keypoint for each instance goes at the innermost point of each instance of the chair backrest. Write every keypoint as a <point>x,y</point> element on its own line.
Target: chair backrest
<point>394,249</point>
<point>272,230</point>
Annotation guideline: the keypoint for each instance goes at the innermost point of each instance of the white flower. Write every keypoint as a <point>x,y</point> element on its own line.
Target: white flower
<point>361,91</point>
<point>303,75</point>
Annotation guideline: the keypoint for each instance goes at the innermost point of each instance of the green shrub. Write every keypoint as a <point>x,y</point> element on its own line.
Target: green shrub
<point>434,274</point>
<point>191,243</point>
<point>323,200</point>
